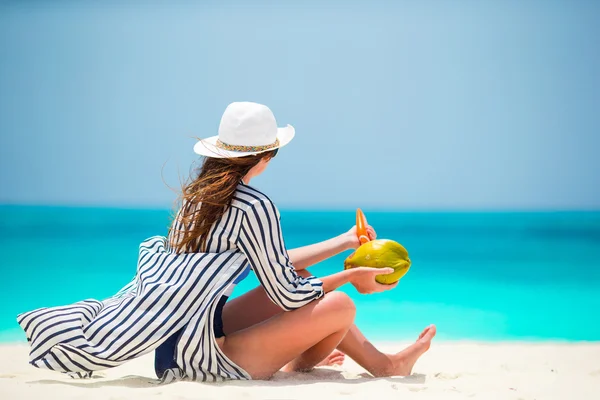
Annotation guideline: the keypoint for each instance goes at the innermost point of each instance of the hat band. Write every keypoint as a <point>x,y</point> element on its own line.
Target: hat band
<point>246,149</point>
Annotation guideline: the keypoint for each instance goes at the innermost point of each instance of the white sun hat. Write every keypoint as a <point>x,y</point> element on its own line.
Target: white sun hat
<point>246,128</point>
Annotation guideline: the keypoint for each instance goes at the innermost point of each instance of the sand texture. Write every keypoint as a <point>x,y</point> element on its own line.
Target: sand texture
<point>461,370</point>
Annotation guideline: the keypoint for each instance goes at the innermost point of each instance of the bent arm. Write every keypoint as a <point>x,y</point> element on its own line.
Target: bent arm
<point>261,241</point>
<point>304,257</point>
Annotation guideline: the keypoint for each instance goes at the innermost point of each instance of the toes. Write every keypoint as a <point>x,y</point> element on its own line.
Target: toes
<point>338,360</point>
<point>428,333</point>
<point>335,359</point>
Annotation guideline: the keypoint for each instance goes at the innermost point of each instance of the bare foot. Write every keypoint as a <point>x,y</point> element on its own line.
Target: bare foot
<point>335,358</point>
<point>403,362</point>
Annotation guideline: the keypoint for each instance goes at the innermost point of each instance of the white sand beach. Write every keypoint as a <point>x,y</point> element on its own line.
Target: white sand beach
<point>450,370</point>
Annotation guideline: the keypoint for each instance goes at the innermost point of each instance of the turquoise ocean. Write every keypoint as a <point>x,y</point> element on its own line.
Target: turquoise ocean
<point>477,276</point>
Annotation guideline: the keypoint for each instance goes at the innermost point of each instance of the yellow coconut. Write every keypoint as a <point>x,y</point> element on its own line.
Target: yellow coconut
<point>381,253</point>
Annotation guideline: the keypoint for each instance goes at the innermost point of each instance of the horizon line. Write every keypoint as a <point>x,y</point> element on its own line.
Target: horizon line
<point>304,209</point>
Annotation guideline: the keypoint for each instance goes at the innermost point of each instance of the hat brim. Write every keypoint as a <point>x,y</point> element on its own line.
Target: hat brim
<point>208,147</point>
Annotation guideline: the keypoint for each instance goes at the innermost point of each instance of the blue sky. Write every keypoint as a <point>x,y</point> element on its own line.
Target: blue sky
<point>422,105</point>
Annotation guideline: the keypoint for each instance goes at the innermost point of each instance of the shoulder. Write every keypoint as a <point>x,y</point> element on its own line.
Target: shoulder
<point>249,199</point>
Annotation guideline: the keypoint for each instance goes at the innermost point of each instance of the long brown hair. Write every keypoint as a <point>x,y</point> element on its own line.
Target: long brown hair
<point>205,198</point>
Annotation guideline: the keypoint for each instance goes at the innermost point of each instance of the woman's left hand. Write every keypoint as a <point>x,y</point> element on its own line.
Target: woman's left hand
<point>352,239</point>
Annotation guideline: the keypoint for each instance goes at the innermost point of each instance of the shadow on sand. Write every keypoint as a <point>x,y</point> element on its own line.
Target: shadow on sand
<point>319,375</point>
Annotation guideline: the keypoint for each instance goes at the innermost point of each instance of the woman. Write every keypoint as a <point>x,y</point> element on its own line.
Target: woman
<point>176,304</point>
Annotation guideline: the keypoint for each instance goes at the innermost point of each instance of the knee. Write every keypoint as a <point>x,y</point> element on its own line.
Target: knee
<point>341,305</point>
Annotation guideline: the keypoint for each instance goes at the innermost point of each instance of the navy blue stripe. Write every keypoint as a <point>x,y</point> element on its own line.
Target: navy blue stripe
<point>144,279</point>
<point>43,311</point>
<point>108,309</point>
<point>49,327</point>
<point>147,264</point>
<point>223,228</point>
<point>123,305</point>
<point>211,328</point>
<point>47,364</point>
<point>63,366</point>
<point>85,355</point>
<point>75,363</point>
<point>249,189</point>
<point>156,243</point>
<point>236,220</point>
<point>52,336</point>
<point>211,236</point>
<point>57,315</point>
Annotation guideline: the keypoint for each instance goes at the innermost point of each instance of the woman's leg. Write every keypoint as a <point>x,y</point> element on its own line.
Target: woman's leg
<point>247,310</point>
<point>357,347</point>
<point>255,307</point>
<point>303,336</point>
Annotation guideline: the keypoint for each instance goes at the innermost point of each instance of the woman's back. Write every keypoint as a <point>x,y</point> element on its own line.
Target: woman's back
<point>224,232</point>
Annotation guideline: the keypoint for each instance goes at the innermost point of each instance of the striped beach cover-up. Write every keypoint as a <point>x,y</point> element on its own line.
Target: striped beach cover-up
<point>174,292</point>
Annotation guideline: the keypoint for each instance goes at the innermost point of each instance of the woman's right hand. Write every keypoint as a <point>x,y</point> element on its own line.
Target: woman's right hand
<point>363,279</point>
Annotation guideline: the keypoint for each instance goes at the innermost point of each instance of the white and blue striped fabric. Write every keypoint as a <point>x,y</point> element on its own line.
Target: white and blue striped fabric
<point>170,292</point>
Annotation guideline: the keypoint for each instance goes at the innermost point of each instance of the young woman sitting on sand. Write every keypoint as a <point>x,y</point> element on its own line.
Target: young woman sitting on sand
<point>177,303</point>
